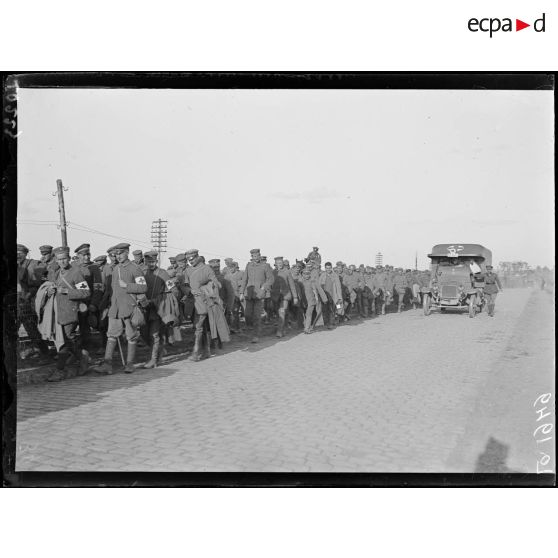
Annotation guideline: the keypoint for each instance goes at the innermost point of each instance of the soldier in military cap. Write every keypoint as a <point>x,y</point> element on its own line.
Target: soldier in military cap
<point>381,288</point>
<point>268,308</point>
<point>200,277</point>
<point>33,268</point>
<point>106,275</point>
<point>69,288</point>
<point>173,268</point>
<point>416,284</point>
<point>179,278</point>
<point>159,299</point>
<point>256,283</point>
<point>100,262</point>
<point>111,263</point>
<point>286,263</point>
<point>226,293</point>
<point>352,284</point>
<point>236,276</point>
<point>331,284</point>
<point>400,286</point>
<point>368,305</point>
<point>315,297</point>
<point>48,260</point>
<point>229,290</point>
<point>28,281</point>
<point>89,308</point>
<point>314,256</point>
<point>297,311</point>
<point>492,286</point>
<point>228,266</point>
<point>283,291</point>
<point>138,260</point>
<point>127,286</point>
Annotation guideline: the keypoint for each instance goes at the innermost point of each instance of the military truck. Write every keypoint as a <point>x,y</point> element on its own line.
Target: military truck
<point>457,278</point>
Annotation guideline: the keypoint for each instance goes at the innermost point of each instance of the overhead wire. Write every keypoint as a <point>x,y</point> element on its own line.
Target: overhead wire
<point>85,228</point>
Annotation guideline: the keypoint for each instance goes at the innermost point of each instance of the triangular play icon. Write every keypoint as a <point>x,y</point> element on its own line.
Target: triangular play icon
<point>519,25</point>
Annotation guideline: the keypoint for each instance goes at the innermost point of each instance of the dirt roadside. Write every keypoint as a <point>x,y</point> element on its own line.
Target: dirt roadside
<point>501,435</point>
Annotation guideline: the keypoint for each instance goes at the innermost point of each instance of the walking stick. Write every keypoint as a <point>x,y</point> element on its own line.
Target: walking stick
<point>121,353</point>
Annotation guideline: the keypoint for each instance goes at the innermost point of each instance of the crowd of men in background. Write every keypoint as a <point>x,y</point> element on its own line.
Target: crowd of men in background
<point>62,298</point>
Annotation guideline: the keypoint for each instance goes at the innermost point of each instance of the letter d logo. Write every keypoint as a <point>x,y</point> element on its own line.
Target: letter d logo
<point>539,24</point>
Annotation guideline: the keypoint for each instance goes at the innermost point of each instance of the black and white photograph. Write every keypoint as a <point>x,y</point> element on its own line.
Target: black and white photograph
<point>331,275</point>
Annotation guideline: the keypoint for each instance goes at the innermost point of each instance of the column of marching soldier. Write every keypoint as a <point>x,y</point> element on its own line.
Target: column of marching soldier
<point>62,298</point>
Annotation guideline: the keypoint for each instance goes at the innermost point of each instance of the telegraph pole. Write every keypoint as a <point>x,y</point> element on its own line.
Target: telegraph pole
<point>60,191</point>
<point>159,235</point>
<point>416,261</point>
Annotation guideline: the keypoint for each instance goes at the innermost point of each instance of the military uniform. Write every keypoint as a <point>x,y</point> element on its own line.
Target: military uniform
<point>48,261</point>
<point>159,286</point>
<point>256,284</point>
<point>127,287</point>
<point>400,286</point>
<point>71,289</point>
<point>491,287</point>
<point>28,281</point>
<point>100,262</point>
<point>229,290</point>
<point>226,292</point>
<point>283,291</point>
<point>314,256</point>
<point>139,260</point>
<point>331,285</point>
<point>201,277</point>
<point>104,304</point>
<point>236,277</point>
<point>368,292</point>
<point>315,296</point>
<point>297,311</point>
<point>352,284</point>
<point>173,268</point>
<point>89,311</point>
<point>178,276</point>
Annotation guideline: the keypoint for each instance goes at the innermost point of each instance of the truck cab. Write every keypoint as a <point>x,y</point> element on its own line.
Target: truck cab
<point>457,276</point>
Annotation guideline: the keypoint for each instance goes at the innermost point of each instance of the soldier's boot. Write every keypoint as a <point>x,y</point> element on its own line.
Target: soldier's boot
<point>209,350</point>
<point>160,354</point>
<point>84,362</point>
<point>58,373</point>
<point>130,358</point>
<point>229,319</point>
<point>361,308</point>
<point>281,324</point>
<point>106,367</point>
<point>152,362</point>
<point>43,347</point>
<point>195,356</point>
<point>170,337</point>
<point>257,329</point>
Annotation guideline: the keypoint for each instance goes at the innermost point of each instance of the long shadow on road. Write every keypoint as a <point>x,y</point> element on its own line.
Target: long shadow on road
<point>38,399</point>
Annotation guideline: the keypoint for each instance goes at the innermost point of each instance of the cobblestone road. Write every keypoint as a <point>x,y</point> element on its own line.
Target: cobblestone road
<point>398,393</point>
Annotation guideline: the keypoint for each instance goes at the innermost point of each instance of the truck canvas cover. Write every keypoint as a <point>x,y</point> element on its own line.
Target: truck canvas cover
<point>462,251</point>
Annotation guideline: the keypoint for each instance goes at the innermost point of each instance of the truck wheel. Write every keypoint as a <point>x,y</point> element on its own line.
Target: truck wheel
<point>472,306</point>
<point>426,304</point>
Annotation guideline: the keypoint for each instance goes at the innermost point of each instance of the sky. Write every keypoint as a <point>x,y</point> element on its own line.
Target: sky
<point>354,172</point>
